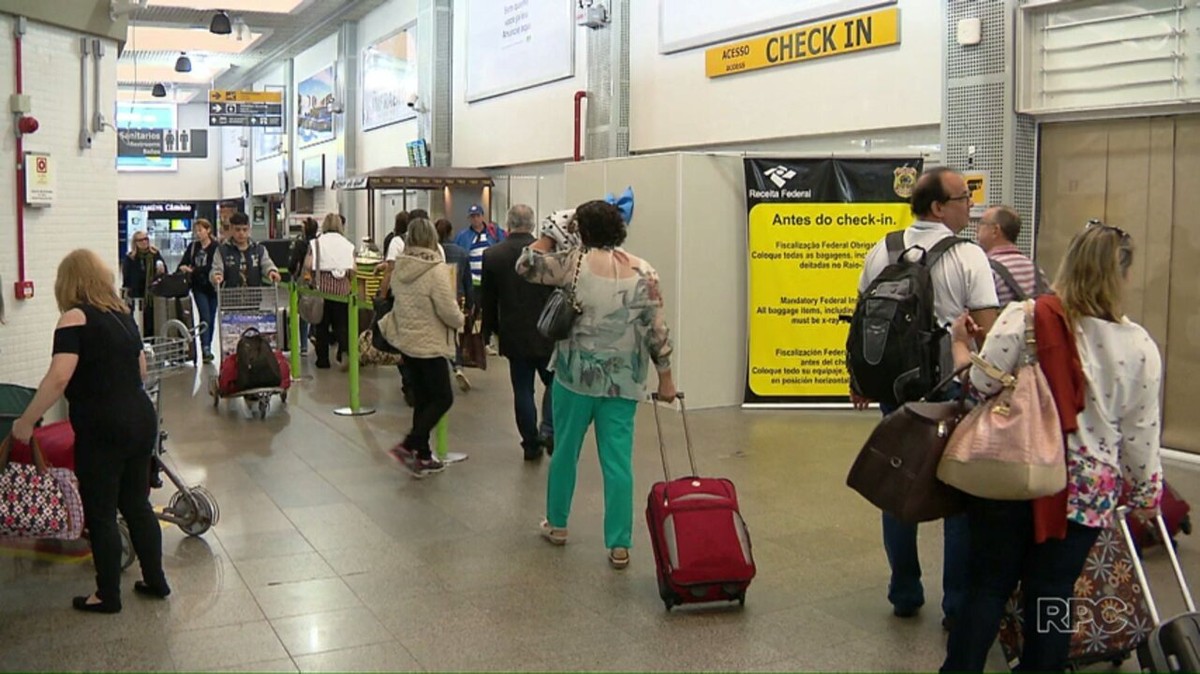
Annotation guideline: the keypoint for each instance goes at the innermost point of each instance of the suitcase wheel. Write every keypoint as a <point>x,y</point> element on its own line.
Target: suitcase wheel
<point>668,596</point>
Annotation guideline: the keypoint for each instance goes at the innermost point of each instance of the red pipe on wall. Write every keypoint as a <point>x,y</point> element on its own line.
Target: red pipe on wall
<point>18,32</point>
<point>579,96</point>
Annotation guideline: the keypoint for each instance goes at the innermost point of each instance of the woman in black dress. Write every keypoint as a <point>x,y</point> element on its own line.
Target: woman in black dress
<point>98,363</point>
<point>139,268</point>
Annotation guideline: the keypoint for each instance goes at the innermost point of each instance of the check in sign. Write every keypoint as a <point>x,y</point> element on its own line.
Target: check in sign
<point>843,35</point>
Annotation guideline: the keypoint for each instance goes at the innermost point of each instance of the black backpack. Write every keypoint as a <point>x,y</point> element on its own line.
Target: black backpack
<point>256,363</point>
<point>894,351</point>
<point>1040,287</point>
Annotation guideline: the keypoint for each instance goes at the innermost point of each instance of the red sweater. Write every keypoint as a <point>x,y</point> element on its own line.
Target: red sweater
<point>1059,360</point>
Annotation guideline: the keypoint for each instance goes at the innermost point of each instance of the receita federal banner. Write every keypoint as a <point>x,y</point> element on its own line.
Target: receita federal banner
<point>811,223</point>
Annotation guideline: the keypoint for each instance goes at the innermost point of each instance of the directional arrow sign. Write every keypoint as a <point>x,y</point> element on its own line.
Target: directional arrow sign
<point>216,107</point>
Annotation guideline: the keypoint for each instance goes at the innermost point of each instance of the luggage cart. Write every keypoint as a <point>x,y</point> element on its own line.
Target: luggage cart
<point>239,309</point>
<point>192,508</point>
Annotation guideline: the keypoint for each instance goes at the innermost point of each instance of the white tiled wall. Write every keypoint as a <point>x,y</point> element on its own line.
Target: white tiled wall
<point>84,213</point>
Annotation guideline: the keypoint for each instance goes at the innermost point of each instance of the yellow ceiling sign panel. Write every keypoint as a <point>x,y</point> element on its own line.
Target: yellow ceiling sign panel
<point>216,96</point>
<point>843,35</point>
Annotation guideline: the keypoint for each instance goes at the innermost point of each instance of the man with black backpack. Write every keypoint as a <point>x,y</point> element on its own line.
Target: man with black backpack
<point>914,284</point>
<point>1017,277</point>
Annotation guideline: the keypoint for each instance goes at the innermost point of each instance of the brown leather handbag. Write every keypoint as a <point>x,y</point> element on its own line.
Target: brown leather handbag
<point>897,467</point>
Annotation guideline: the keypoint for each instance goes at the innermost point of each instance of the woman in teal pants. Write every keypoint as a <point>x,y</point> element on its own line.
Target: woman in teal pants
<point>601,368</point>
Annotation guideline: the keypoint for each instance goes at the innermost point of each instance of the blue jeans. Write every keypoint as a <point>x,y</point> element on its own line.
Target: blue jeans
<point>206,304</point>
<point>1003,552</point>
<point>905,590</point>
<point>521,372</point>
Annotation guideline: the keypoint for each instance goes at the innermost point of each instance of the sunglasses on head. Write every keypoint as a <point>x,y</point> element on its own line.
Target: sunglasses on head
<point>1095,222</point>
<point>1125,240</point>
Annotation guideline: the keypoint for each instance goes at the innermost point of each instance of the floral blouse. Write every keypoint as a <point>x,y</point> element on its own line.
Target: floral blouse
<point>622,328</point>
<point>1114,456</point>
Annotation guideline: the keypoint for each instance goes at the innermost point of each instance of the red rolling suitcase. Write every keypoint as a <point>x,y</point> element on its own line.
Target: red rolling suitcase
<point>701,544</point>
<point>1175,512</point>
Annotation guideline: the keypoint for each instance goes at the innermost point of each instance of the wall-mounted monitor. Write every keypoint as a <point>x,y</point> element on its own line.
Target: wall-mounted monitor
<point>312,172</point>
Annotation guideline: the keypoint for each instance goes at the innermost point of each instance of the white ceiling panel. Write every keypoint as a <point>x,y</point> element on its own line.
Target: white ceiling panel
<point>282,35</point>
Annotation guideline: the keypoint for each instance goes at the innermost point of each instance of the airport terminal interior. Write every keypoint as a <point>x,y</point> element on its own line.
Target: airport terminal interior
<point>752,153</point>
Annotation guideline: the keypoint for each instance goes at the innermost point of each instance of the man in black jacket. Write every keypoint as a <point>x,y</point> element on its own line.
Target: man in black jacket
<point>511,306</point>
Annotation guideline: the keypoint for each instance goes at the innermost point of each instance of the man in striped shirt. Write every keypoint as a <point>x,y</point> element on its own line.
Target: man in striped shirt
<point>475,239</point>
<point>998,231</point>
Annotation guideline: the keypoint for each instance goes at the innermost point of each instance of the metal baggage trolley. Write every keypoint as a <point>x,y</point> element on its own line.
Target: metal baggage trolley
<point>239,309</point>
<point>191,508</point>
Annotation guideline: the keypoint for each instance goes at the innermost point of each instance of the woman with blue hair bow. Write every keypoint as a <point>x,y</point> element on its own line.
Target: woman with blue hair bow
<point>602,367</point>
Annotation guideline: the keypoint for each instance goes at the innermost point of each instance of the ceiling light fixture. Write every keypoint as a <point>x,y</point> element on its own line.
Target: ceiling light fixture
<point>159,91</point>
<point>220,24</point>
<point>183,64</point>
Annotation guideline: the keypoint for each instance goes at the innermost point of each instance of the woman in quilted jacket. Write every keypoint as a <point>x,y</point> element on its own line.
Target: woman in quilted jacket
<point>1104,371</point>
<point>98,363</point>
<point>423,324</point>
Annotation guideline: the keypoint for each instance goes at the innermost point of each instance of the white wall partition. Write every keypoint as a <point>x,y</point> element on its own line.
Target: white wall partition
<point>689,223</point>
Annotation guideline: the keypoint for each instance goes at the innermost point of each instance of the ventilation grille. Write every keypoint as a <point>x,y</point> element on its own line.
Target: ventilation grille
<point>600,94</point>
<point>608,86</point>
<point>975,117</point>
<point>441,149</point>
<point>978,111</point>
<point>1025,178</point>
<point>620,66</point>
<point>985,58</point>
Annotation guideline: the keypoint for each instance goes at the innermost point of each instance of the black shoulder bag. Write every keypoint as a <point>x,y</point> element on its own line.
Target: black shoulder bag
<point>562,308</point>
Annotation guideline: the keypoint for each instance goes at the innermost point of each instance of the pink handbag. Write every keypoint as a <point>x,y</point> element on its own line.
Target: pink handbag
<point>38,501</point>
<point>1010,447</point>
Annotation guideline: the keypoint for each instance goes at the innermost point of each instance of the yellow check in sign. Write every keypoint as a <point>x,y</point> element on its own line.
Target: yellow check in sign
<point>844,35</point>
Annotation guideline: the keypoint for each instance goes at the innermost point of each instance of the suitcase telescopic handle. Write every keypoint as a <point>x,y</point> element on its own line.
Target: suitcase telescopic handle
<point>1140,570</point>
<point>687,435</point>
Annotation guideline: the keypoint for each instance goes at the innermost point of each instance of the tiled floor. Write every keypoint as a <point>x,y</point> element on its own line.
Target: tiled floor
<point>329,558</point>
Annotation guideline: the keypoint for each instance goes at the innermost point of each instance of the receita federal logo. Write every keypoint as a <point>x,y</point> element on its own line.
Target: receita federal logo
<point>780,175</point>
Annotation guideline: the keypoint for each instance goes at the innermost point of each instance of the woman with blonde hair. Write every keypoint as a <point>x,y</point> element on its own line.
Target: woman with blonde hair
<point>1104,372</point>
<point>331,259</point>
<point>422,325</point>
<point>99,365</point>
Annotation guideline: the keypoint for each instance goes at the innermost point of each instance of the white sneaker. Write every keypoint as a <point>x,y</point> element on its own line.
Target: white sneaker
<point>461,377</point>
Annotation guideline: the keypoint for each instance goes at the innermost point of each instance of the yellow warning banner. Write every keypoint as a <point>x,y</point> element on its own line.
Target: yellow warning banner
<point>811,223</point>
<point>843,35</point>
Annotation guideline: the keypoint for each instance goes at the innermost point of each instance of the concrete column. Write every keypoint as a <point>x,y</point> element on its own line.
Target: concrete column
<point>435,49</point>
<point>347,125</point>
<point>980,131</point>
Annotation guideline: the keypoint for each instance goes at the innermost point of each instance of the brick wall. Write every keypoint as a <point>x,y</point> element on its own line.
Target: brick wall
<point>84,213</point>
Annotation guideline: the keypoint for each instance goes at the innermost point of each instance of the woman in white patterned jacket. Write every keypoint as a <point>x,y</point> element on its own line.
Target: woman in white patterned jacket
<point>1112,456</point>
